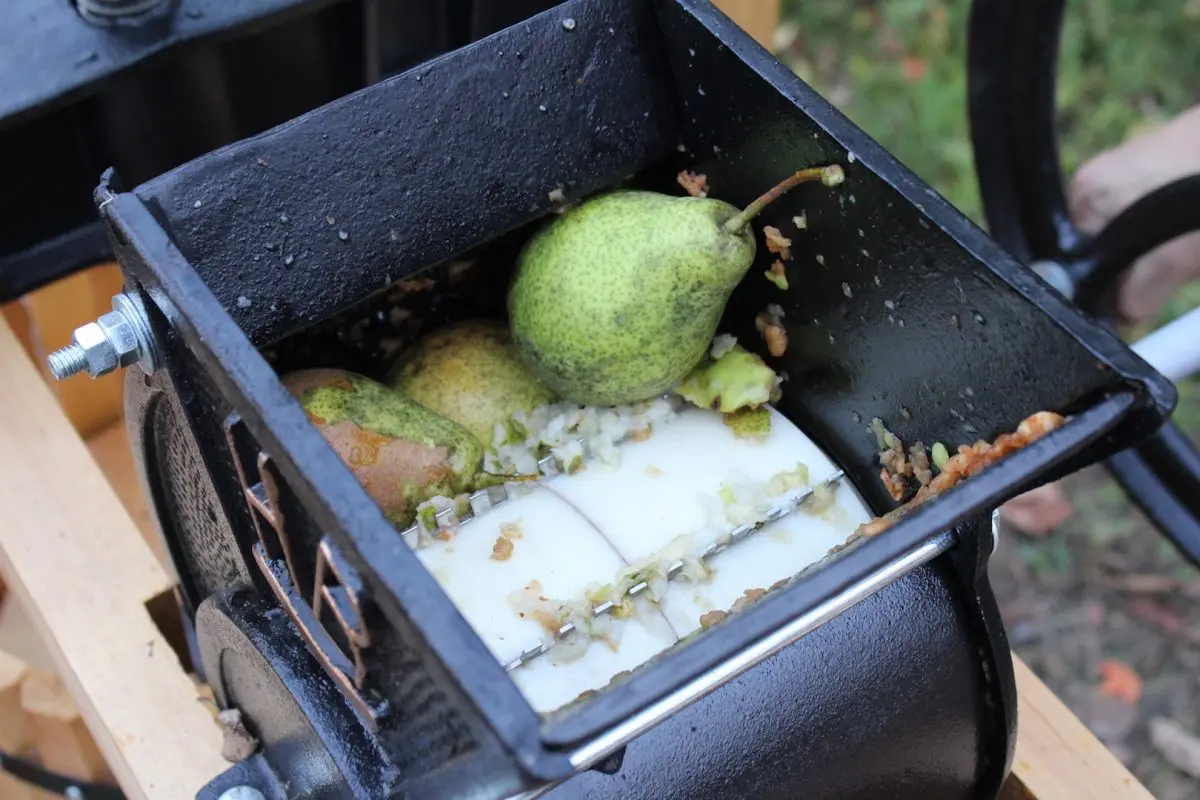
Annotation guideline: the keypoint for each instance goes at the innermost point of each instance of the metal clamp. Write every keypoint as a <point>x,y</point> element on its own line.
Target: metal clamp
<point>117,339</point>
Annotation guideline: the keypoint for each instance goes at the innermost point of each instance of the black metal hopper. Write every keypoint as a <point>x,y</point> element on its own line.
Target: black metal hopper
<point>910,314</point>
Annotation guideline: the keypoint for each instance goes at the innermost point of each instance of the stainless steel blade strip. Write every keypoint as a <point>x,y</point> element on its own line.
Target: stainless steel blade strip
<point>484,499</point>
<point>738,534</point>
<point>624,732</point>
<point>480,503</point>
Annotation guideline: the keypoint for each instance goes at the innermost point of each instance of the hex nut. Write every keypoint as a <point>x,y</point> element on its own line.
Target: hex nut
<point>101,355</point>
<point>122,336</point>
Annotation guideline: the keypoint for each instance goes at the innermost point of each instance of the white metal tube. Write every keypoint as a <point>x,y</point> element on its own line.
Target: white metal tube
<point>1174,349</point>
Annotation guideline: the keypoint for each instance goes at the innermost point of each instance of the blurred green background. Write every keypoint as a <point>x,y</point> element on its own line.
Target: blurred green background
<point>898,70</point>
<point>1102,586</point>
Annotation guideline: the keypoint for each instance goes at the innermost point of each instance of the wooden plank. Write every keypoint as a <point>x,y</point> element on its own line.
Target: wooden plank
<point>18,637</point>
<point>16,728</point>
<point>18,319</point>
<point>15,736</point>
<point>73,556</point>
<point>759,18</point>
<point>1057,757</point>
<point>13,789</point>
<point>40,723</point>
<point>60,736</point>
<point>110,449</point>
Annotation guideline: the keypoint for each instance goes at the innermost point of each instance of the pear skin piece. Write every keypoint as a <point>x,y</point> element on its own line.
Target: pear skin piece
<point>401,452</point>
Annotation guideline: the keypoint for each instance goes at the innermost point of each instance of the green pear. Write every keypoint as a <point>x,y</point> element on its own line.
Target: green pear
<point>401,452</point>
<point>470,372</point>
<point>618,298</point>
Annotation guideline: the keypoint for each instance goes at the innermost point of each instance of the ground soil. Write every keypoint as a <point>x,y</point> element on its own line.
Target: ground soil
<point>1104,587</point>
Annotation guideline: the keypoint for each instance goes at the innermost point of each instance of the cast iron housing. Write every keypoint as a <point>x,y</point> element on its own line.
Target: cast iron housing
<point>911,314</point>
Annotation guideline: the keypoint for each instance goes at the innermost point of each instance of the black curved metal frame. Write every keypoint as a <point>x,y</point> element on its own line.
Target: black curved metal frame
<point>1012,60</point>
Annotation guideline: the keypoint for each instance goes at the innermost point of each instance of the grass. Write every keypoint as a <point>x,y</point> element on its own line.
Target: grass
<point>897,68</point>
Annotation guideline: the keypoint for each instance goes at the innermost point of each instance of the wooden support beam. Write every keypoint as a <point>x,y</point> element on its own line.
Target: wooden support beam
<point>16,728</point>
<point>15,735</point>
<point>74,558</point>
<point>1057,757</point>
<point>18,639</point>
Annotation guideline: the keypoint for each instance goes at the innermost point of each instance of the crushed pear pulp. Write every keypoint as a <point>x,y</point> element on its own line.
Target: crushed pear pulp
<point>739,501</point>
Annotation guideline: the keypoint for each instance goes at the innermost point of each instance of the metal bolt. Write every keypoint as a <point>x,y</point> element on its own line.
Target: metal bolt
<point>117,339</point>
<point>242,793</point>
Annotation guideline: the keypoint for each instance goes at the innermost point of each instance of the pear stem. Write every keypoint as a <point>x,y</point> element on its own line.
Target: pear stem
<point>831,175</point>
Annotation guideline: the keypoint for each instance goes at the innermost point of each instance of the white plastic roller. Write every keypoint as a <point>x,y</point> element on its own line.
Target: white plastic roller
<point>556,543</point>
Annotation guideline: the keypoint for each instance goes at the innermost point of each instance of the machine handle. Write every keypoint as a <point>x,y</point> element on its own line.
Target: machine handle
<point>1174,349</point>
<point>1012,58</point>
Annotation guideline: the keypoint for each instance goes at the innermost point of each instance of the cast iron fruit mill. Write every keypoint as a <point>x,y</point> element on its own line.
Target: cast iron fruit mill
<point>458,158</point>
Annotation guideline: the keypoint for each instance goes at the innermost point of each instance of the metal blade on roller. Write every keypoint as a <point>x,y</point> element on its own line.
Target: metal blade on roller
<point>738,534</point>
<point>480,501</point>
<point>485,499</point>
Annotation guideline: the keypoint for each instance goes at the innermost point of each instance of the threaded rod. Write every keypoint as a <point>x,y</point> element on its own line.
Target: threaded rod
<point>67,361</point>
